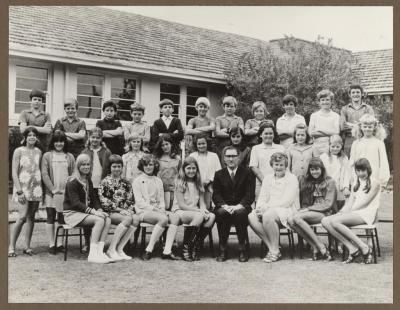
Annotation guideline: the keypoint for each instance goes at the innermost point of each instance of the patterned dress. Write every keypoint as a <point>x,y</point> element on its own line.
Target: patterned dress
<point>168,172</point>
<point>29,175</point>
<point>116,193</point>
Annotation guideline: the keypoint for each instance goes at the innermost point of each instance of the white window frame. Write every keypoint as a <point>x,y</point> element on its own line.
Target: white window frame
<point>91,122</point>
<point>12,79</point>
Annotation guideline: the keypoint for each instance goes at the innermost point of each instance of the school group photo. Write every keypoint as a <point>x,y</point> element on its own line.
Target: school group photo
<point>130,175</point>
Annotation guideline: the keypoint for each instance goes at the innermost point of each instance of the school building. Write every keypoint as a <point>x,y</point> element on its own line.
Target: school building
<point>95,54</point>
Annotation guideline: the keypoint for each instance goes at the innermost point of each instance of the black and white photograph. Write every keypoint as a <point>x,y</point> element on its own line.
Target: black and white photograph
<point>200,154</point>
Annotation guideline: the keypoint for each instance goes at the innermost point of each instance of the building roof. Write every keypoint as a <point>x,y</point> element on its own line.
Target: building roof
<point>114,37</point>
<point>375,70</point>
<point>108,38</point>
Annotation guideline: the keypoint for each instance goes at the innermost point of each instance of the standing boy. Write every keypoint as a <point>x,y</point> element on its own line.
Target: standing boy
<point>37,118</point>
<point>351,113</point>
<point>112,128</point>
<point>138,127</point>
<point>74,128</point>
<point>167,124</point>
<point>324,123</point>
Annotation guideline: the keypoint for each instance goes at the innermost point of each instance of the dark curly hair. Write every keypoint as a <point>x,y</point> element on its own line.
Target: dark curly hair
<point>146,159</point>
<point>158,152</point>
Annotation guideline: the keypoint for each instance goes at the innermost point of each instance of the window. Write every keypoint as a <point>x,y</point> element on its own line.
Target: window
<point>28,78</point>
<point>123,92</point>
<point>90,95</point>
<point>192,94</point>
<point>171,92</point>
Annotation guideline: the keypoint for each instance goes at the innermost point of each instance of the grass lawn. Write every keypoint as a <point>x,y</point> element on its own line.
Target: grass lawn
<point>46,278</point>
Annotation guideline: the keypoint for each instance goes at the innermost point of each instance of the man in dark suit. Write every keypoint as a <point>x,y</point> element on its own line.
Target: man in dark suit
<point>167,124</point>
<point>233,195</point>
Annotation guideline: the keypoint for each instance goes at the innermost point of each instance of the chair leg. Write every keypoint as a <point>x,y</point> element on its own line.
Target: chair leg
<point>300,244</point>
<point>57,231</point>
<point>377,241</point>
<point>211,244</point>
<point>370,235</point>
<point>66,244</point>
<point>135,239</point>
<point>80,240</point>
<point>143,241</point>
<point>291,242</point>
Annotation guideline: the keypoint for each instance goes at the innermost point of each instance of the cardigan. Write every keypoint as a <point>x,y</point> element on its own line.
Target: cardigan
<point>324,202</point>
<point>144,202</point>
<point>47,170</point>
<point>75,197</point>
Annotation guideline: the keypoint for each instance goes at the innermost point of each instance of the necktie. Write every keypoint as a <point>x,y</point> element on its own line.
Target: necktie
<point>232,175</point>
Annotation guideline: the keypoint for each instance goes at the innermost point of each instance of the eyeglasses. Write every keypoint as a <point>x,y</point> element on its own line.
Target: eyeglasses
<point>231,156</point>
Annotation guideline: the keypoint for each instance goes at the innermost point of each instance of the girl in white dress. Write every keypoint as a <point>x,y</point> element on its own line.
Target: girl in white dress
<point>369,144</point>
<point>132,157</point>
<point>361,208</point>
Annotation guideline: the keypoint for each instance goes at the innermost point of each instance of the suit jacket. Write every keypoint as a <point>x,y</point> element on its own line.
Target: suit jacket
<point>232,192</point>
<point>159,127</point>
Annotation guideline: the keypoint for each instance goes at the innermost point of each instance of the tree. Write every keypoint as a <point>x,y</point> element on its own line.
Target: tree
<point>297,67</point>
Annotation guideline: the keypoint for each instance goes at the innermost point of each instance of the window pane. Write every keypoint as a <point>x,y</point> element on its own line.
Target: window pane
<point>90,79</point>
<point>90,90</point>
<point>85,112</point>
<point>91,102</point>
<point>124,115</point>
<point>123,93</point>
<point>119,82</point>
<point>22,95</point>
<point>31,84</point>
<point>173,98</point>
<point>191,101</point>
<point>170,88</point>
<point>20,106</point>
<point>191,111</point>
<point>36,73</point>
<point>196,92</point>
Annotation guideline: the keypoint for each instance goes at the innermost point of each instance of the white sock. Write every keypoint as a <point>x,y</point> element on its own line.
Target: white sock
<point>50,233</point>
<point>171,233</point>
<point>155,235</point>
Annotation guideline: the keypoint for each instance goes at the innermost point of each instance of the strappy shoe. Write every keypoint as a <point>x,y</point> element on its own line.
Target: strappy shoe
<point>28,252</point>
<point>352,257</point>
<point>271,257</point>
<point>326,256</point>
<point>368,257</point>
<point>12,253</point>
<point>315,256</point>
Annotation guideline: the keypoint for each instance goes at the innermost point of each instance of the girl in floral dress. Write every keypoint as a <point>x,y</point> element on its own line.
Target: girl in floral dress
<point>116,197</point>
<point>27,190</point>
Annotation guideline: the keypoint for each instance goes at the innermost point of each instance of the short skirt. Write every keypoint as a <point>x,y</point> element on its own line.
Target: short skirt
<point>73,218</point>
<point>283,214</point>
<point>55,202</point>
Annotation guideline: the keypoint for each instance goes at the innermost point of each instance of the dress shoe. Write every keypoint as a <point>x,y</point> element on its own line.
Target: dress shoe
<point>170,256</point>
<point>222,256</point>
<point>243,257</point>
<point>146,255</point>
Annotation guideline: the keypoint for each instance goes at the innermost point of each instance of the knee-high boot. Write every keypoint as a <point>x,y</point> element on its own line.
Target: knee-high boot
<point>198,241</point>
<point>188,239</point>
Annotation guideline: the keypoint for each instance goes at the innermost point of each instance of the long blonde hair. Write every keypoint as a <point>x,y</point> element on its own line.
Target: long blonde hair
<point>379,131</point>
<point>78,163</point>
<point>181,181</point>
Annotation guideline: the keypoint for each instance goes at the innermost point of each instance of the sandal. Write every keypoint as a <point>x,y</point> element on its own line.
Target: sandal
<point>270,258</point>
<point>12,253</point>
<point>315,256</point>
<point>28,252</point>
<point>352,257</point>
<point>368,258</point>
<point>326,256</point>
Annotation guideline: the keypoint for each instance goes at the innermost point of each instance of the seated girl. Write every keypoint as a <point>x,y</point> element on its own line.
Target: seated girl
<point>150,207</point>
<point>82,208</point>
<point>317,199</point>
<point>116,197</point>
<point>360,208</point>
<point>208,163</point>
<point>277,201</point>
<point>189,205</point>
